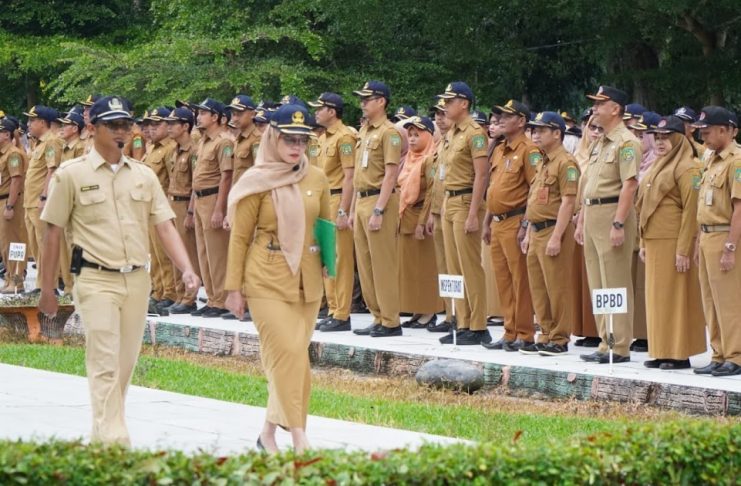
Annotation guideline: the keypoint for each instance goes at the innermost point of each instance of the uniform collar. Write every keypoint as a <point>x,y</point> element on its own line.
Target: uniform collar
<point>334,127</point>
<point>615,132</point>
<point>71,144</point>
<point>515,142</point>
<point>463,124</point>
<point>728,151</point>
<point>186,147</point>
<point>96,160</point>
<point>5,148</point>
<point>555,152</point>
<point>379,122</point>
<point>246,133</point>
<point>46,136</point>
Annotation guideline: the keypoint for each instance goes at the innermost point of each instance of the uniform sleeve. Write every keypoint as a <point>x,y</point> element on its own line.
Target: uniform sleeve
<point>533,158</point>
<point>15,164</point>
<point>240,239</point>
<point>53,153</point>
<point>61,199</point>
<point>735,180</point>
<point>429,178</point>
<point>478,145</point>
<point>629,156</point>
<point>346,149</point>
<point>391,147</point>
<point>160,210</point>
<point>568,178</point>
<point>225,155</point>
<point>688,184</point>
<point>324,211</point>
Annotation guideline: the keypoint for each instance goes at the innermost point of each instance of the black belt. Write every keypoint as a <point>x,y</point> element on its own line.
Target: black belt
<point>418,205</point>
<point>459,192</point>
<point>369,192</point>
<point>501,217</point>
<point>207,192</point>
<point>543,224</point>
<point>333,192</point>
<point>601,200</point>
<point>715,228</point>
<point>4,196</point>
<point>181,198</point>
<point>126,269</point>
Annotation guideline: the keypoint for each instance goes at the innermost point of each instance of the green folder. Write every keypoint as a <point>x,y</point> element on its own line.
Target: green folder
<point>325,233</point>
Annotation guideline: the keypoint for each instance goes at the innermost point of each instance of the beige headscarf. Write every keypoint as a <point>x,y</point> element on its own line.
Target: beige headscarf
<point>270,173</point>
<point>410,176</point>
<point>585,144</point>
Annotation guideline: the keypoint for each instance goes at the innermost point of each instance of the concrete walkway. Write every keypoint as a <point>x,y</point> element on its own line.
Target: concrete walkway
<point>39,405</point>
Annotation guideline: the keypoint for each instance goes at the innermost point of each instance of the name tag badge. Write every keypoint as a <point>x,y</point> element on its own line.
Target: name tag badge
<point>709,197</point>
<point>364,159</point>
<point>442,172</point>
<point>542,196</point>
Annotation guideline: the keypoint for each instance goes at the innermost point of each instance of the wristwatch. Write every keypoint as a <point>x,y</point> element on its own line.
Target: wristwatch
<point>618,225</point>
<point>341,213</point>
<point>524,224</point>
<point>377,212</point>
<point>9,207</point>
<point>729,247</point>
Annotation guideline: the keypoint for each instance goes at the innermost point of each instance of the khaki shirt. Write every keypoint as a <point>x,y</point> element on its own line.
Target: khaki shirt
<point>379,146</point>
<point>613,159</point>
<point>256,264</point>
<point>556,177</point>
<point>107,213</point>
<point>437,191</point>
<point>245,152</point>
<point>337,153</point>
<point>313,150</point>
<point>73,149</point>
<point>513,166</point>
<point>47,154</point>
<point>12,164</point>
<point>87,140</point>
<point>159,159</point>
<point>720,184</point>
<point>135,145</point>
<point>464,142</point>
<point>215,155</point>
<point>181,173</point>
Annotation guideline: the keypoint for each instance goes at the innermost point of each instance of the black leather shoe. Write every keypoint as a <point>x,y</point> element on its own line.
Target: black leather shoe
<point>675,364</point>
<point>201,311</point>
<point>654,363</point>
<point>727,369</point>
<point>336,325</point>
<point>411,322</point>
<point>214,312</point>
<point>444,326</point>
<point>553,349</point>
<point>708,370</point>
<point>382,331</point>
<point>420,325</point>
<point>473,338</point>
<point>531,348</point>
<point>448,338</point>
<point>259,445</point>
<point>165,304</point>
<point>592,358</point>
<point>516,345</point>
<point>588,342</point>
<point>616,358</point>
<point>324,313</point>
<point>322,322</point>
<point>183,309</point>
<point>639,346</point>
<point>229,317</point>
<point>366,330</point>
<point>497,345</point>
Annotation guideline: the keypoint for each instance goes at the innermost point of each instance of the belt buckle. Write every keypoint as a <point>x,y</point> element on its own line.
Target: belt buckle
<point>498,218</point>
<point>126,268</point>
<point>587,202</point>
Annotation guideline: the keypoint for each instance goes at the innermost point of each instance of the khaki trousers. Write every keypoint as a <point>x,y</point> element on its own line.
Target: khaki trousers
<point>720,299</point>
<point>113,309</point>
<point>163,278</point>
<point>463,257</point>
<point>510,270</point>
<point>610,267</point>
<point>640,330</point>
<point>13,231</point>
<point>212,245</point>
<point>285,330</point>
<point>493,306</point>
<point>339,289</point>
<point>552,285</point>
<point>180,208</point>
<point>378,259</point>
<point>442,266</point>
<point>35,233</point>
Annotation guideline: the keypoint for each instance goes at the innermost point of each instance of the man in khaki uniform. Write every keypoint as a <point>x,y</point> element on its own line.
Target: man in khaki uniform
<point>72,126</point>
<point>180,193</point>
<point>375,212</point>
<point>435,222</point>
<point>212,179</point>
<point>248,139</point>
<point>159,159</point>
<point>549,244</point>
<point>110,236</point>
<point>513,166</point>
<point>12,171</point>
<point>689,117</point>
<point>85,135</point>
<point>337,159</point>
<point>45,158</point>
<point>607,223</point>
<point>466,177</point>
<point>719,216</point>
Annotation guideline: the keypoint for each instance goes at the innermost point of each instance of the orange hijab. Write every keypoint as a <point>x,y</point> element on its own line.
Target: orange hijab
<point>410,177</point>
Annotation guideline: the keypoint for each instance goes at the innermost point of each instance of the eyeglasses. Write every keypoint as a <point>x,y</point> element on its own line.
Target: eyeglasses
<point>115,125</point>
<point>295,140</point>
<point>594,128</point>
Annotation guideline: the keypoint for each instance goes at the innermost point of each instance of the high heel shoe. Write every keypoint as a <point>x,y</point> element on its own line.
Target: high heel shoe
<point>260,446</point>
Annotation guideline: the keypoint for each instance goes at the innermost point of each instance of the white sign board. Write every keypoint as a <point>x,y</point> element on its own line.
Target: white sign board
<point>610,301</point>
<point>450,286</point>
<point>17,252</point>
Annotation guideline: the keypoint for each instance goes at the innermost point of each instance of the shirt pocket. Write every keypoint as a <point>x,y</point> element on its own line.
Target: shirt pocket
<point>243,159</point>
<point>182,172</point>
<point>92,206</point>
<point>141,202</point>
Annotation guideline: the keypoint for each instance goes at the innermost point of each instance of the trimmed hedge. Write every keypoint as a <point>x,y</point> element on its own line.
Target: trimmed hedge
<point>668,453</point>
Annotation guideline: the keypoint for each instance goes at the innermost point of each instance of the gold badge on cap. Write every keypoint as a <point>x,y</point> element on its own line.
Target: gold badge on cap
<point>235,101</point>
<point>33,111</point>
<point>366,86</point>
<point>89,99</point>
<point>115,104</point>
<point>449,87</point>
<point>539,117</point>
<point>510,103</point>
<point>286,100</point>
<point>298,118</point>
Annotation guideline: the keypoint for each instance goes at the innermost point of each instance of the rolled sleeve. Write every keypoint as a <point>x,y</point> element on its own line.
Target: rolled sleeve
<point>60,201</point>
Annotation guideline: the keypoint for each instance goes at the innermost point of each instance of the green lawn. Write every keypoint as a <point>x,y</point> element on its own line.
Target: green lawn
<point>178,375</point>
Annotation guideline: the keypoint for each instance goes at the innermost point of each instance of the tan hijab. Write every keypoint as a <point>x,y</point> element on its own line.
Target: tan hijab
<point>410,176</point>
<point>583,149</point>
<point>270,173</point>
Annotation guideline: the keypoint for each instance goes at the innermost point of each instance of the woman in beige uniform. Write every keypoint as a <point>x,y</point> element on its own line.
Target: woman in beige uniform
<point>417,265</point>
<point>667,204</point>
<point>274,262</point>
